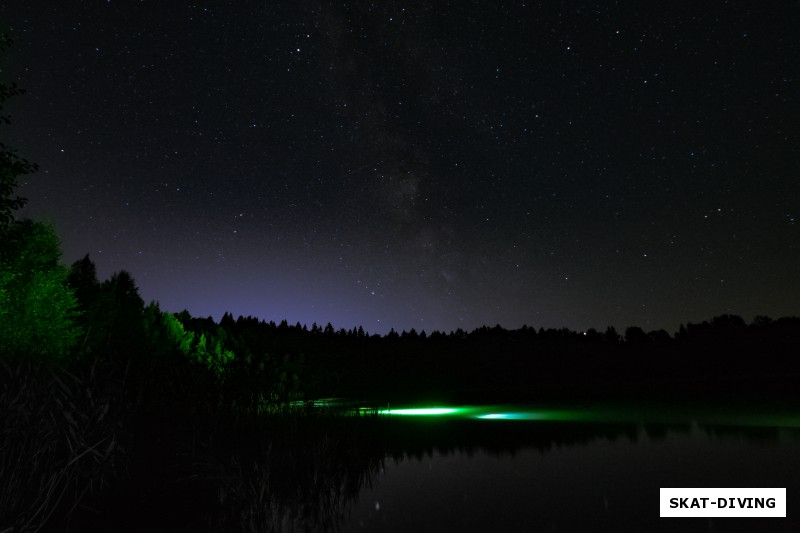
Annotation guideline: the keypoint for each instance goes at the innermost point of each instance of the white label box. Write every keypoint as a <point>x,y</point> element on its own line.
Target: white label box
<point>722,502</point>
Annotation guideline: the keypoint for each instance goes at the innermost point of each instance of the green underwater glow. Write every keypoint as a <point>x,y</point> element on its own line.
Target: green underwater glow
<point>427,411</point>
<point>511,416</point>
<point>540,413</point>
<point>510,412</point>
<point>483,412</point>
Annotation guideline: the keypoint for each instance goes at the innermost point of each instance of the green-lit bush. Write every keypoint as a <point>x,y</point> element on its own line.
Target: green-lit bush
<point>37,307</point>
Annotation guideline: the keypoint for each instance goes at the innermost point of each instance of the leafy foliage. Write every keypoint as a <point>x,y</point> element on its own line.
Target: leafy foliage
<point>37,308</point>
<point>11,165</point>
<point>206,349</point>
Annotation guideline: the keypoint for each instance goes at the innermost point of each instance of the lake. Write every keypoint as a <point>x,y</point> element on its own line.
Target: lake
<point>466,468</point>
<point>512,468</point>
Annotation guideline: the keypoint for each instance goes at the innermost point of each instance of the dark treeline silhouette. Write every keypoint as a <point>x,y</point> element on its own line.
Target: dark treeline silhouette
<point>324,361</point>
<point>253,364</point>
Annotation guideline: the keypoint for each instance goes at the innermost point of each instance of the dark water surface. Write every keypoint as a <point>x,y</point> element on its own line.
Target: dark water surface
<point>577,476</point>
<point>464,468</point>
<point>523,468</point>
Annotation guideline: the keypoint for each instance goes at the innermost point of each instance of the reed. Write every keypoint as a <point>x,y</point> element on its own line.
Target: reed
<point>59,442</point>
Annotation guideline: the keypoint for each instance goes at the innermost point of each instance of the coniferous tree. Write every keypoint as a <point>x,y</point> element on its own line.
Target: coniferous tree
<point>114,319</point>
<point>83,280</point>
<point>123,311</point>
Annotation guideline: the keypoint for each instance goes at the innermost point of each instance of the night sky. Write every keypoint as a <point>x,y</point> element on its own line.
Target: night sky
<point>431,165</point>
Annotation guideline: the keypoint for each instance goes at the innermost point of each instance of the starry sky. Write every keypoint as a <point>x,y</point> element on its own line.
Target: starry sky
<point>432,165</point>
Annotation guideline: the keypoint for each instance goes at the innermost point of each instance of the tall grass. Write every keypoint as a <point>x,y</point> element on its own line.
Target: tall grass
<point>58,441</point>
<point>293,471</point>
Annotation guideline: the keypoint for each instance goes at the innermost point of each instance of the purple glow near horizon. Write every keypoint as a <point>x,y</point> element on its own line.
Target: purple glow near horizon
<point>428,167</point>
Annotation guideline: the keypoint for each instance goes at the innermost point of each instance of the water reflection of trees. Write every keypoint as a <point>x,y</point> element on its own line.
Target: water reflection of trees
<point>288,473</point>
<point>304,473</point>
<point>419,439</point>
<point>300,475</point>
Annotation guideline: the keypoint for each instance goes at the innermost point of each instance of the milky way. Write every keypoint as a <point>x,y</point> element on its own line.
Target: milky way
<point>390,164</point>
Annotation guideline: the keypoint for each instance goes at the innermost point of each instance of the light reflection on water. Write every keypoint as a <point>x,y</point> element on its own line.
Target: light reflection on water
<point>613,414</point>
<point>352,466</point>
<point>605,482</point>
